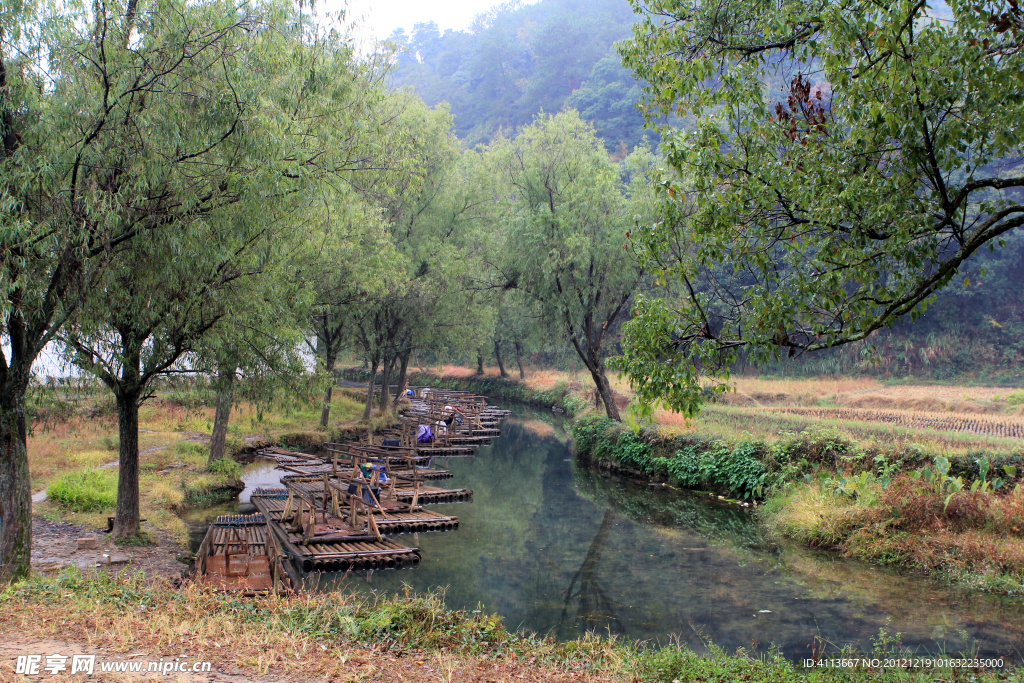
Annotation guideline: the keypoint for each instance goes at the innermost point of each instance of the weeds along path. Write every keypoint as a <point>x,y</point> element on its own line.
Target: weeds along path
<point>347,662</point>
<point>984,425</point>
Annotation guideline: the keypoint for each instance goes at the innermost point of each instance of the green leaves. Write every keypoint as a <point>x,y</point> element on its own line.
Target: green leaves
<point>847,159</point>
<point>565,207</point>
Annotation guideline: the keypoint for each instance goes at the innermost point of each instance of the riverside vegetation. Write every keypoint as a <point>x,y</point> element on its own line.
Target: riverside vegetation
<point>958,515</point>
<point>331,635</point>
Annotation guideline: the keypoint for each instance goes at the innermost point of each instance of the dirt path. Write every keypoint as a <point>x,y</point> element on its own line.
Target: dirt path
<point>55,546</point>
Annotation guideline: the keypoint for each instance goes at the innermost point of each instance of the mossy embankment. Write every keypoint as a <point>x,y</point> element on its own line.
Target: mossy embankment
<point>338,636</point>
<point>959,516</point>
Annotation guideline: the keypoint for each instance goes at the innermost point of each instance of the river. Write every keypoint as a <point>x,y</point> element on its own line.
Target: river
<point>560,549</point>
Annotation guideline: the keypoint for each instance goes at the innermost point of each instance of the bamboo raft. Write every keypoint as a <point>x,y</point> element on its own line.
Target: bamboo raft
<point>351,549</point>
<point>428,495</point>
<point>402,460</point>
<point>334,510</point>
<point>240,555</point>
<point>396,520</point>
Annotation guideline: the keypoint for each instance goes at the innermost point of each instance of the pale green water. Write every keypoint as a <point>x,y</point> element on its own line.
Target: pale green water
<point>560,549</point>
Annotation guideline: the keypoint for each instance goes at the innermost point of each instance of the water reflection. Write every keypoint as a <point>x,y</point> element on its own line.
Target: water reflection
<point>591,608</point>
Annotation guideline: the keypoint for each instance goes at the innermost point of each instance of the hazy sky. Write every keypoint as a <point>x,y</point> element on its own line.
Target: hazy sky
<point>378,18</point>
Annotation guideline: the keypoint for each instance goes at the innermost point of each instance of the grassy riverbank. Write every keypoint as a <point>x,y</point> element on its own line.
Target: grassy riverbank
<point>543,390</point>
<point>337,636</point>
<point>957,515</point>
<point>73,456</point>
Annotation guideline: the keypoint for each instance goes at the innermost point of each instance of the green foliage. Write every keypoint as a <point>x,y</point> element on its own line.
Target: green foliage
<point>1015,398</point>
<point>788,224</point>
<point>85,491</point>
<point>739,469</point>
<point>750,468</point>
<point>110,443</point>
<point>565,206</point>
<point>227,467</point>
<point>423,622</point>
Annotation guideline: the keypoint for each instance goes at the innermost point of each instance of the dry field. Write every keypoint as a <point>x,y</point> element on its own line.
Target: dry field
<point>960,423</point>
<point>950,417</point>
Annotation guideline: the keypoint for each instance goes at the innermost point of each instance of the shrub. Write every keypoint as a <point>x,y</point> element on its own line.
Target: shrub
<point>591,436</point>
<point>631,451</point>
<point>738,469</point>
<point>1015,398</point>
<point>86,491</point>
<point>191,398</point>
<point>225,466</point>
<point>111,443</point>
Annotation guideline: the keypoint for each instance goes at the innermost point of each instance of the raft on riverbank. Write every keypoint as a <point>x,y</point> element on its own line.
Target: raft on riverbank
<point>241,555</point>
<point>335,508</point>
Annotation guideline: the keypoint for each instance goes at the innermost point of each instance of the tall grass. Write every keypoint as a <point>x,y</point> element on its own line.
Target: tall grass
<point>85,491</point>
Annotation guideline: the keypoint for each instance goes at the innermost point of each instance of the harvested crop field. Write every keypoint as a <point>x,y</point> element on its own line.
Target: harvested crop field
<point>984,424</point>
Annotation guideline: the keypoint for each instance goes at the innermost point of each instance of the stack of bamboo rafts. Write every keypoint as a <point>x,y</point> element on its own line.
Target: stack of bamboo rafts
<point>458,422</point>
<point>337,510</point>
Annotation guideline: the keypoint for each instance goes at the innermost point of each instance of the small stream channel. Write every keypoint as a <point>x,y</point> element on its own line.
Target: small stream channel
<point>562,550</point>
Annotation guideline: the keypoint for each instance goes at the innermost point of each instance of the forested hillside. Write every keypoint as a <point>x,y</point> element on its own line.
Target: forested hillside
<point>517,61</point>
<point>973,330</point>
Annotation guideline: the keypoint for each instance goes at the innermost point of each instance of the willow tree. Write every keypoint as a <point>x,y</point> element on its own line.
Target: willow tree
<point>850,159</point>
<point>568,211</point>
<point>174,122</point>
<point>433,217</point>
<point>70,199</point>
<point>356,264</point>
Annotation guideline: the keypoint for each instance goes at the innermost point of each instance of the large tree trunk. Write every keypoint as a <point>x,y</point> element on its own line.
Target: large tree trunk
<point>15,494</point>
<point>604,389</point>
<point>591,358</point>
<point>497,356</point>
<point>225,397</point>
<point>479,362</point>
<point>385,383</point>
<point>126,519</point>
<point>330,360</point>
<point>369,390</point>
<point>519,359</point>
<point>403,375</point>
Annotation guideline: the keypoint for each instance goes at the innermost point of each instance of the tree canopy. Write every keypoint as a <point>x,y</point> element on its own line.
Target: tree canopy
<point>848,160</point>
<point>567,208</point>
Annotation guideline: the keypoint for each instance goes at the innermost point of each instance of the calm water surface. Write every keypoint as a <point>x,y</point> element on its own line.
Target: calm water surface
<point>560,549</point>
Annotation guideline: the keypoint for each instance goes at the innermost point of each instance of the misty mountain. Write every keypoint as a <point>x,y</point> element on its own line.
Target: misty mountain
<point>517,61</point>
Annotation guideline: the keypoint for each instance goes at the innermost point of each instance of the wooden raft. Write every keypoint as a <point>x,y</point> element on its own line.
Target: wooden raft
<point>428,495</point>
<point>336,550</point>
<point>393,521</point>
<point>240,555</point>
